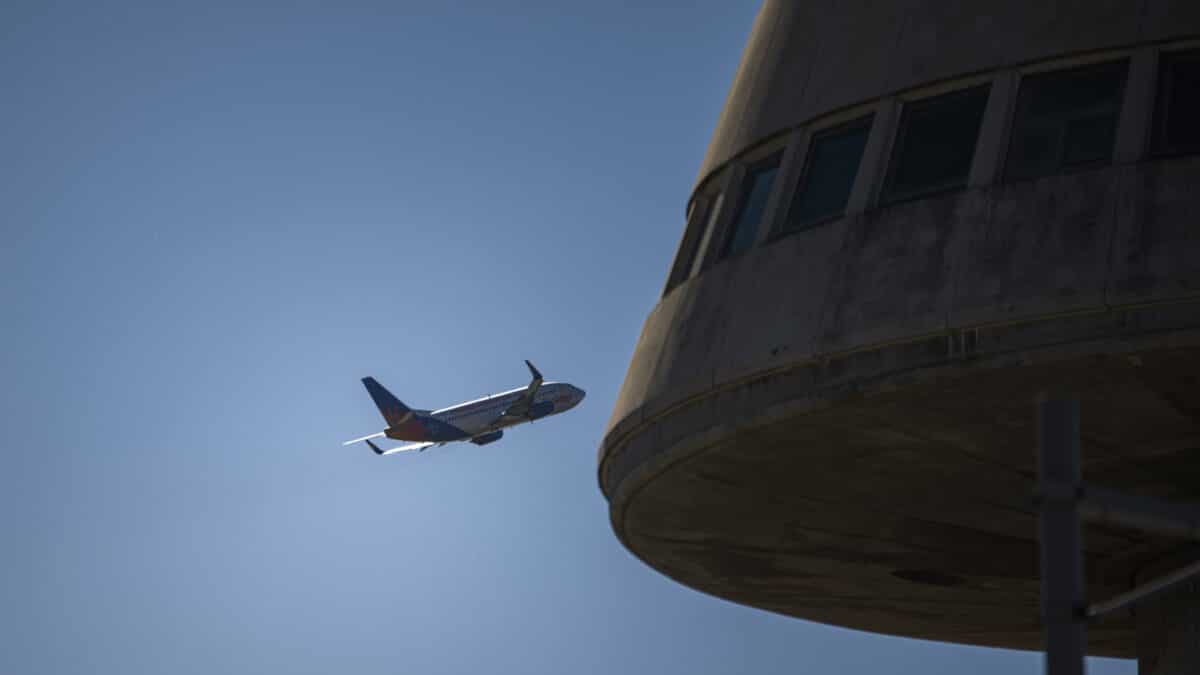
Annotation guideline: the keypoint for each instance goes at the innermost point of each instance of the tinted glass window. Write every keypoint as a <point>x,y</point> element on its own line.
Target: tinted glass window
<point>1065,119</point>
<point>687,248</point>
<point>710,222</point>
<point>829,171</point>
<point>756,188</point>
<point>935,144</point>
<point>1177,113</point>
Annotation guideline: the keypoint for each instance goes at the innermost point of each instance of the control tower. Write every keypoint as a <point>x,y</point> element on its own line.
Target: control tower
<point>913,217</point>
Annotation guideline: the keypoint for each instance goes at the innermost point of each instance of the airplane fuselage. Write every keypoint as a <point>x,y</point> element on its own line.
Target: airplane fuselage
<point>481,421</point>
<point>484,416</point>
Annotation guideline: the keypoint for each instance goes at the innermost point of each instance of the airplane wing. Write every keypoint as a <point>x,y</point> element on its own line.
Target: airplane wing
<point>390,451</point>
<point>402,448</point>
<point>520,407</point>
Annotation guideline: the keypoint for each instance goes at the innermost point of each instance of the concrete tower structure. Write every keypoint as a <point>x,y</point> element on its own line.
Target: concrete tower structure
<point>913,216</point>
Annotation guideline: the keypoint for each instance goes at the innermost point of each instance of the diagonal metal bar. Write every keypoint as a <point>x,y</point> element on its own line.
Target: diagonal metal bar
<point>1139,513</point>
<point>1144,591</point>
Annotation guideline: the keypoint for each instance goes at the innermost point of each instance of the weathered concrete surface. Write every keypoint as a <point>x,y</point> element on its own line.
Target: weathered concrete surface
<point>899,500</point>
<point>809,57</point>
<point>1156,252</point>
<point>1086,242</point>
<point>839,425</point>
<point>1042,247</point>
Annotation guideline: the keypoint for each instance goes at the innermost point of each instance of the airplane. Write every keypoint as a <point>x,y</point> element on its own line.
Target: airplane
<point>481,421</point>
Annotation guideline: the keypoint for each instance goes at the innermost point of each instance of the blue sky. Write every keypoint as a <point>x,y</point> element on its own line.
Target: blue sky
<point>217,218</point>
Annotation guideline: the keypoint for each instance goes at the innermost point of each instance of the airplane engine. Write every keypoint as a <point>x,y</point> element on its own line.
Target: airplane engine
<point>491,437</point>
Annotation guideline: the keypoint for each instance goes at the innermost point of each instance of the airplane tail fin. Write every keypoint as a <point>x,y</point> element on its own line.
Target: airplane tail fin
<point>395,412</point>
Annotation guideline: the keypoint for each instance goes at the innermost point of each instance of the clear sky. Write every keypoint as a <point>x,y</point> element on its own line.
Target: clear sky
<point>217,218</point>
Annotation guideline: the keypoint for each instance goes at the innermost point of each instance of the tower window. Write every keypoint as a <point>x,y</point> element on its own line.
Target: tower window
<point>1065,119</point>
<point>687,247</point>
<point>702,217</point>
<point>935,144</point>
<point>829,172</point>
<point>710,223</point>
<point>752,206</point>
<point>1177,112</point>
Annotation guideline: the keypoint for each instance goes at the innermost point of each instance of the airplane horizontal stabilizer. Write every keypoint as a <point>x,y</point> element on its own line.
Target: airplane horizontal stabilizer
<point>364,438</point>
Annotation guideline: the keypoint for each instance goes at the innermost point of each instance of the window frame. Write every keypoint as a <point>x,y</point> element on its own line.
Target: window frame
<point>771,161</point>
<point>1005,177</point>
<point>703,212</point>
<point>864,121</point>
<point>900,134</point>
<point>687,245</point>
<point>1157,146</point>
<point>711,218</point>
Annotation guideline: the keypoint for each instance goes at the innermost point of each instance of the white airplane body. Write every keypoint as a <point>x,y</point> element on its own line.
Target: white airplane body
<point>481,421</point>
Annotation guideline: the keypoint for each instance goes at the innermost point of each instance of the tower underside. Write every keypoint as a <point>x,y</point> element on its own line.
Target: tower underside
<point>897,497</point>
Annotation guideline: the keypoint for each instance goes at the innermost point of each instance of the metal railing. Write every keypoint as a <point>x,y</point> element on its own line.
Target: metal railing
<point>1063,500</point>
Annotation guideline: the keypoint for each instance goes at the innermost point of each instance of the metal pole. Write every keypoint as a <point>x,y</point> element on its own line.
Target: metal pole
<point>1063,592</point>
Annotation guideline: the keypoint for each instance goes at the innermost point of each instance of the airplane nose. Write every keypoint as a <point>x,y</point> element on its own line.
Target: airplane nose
<point>579,394</point>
